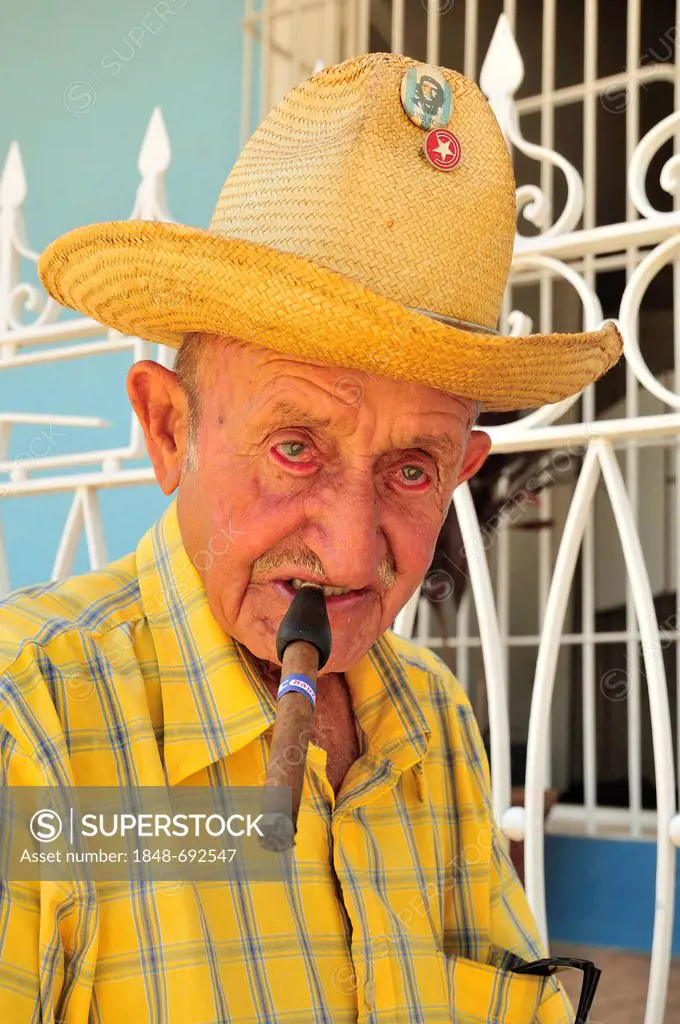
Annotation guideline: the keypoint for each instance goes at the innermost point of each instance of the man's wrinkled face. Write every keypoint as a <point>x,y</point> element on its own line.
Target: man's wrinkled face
<point>303,471</point>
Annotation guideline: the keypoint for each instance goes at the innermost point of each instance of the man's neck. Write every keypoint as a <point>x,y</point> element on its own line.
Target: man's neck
<point>268,671</point>
<point>334,727</point>
<point>270,674</point>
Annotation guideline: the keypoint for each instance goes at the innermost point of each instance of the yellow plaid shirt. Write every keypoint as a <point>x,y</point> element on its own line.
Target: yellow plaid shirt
<point>403,906</point>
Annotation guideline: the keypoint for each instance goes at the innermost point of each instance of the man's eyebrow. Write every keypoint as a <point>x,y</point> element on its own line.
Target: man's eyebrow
<point>438,444</point>
<point>286,409</point>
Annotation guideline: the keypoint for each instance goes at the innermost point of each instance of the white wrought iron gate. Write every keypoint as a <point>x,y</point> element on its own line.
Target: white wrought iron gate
<point>605,453</point>
<point>590,114</point>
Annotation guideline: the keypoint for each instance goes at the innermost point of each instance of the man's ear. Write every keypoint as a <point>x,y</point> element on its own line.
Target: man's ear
<point>476,452</point>
<point>161,407</point>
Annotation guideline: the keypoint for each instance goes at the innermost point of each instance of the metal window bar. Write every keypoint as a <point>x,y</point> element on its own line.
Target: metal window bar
<point>675,536</point>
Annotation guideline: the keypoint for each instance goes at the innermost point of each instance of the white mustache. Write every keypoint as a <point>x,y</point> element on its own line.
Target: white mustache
<point>269,563</point>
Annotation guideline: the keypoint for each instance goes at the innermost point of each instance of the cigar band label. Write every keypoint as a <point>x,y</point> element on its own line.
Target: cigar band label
<point>298,684</point>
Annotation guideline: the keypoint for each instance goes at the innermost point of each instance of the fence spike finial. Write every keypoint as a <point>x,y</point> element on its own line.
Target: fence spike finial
<point>501,76</point>
<point>154,155</point>
<point>502,71</point>
<point>154,159</point>
<point>12,180</point>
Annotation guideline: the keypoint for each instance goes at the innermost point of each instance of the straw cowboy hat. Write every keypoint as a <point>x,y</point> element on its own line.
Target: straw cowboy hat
<point>368,223</point>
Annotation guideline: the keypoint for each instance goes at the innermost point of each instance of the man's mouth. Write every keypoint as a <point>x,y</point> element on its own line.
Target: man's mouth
<point>298,584</point>
<point>290,586</point>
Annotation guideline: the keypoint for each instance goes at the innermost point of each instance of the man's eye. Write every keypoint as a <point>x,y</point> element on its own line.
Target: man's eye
<point>292,449</point>
<point>413,474</point>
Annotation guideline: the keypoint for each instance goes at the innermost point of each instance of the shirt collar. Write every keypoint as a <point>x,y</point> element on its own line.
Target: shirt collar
<point>214,701</point>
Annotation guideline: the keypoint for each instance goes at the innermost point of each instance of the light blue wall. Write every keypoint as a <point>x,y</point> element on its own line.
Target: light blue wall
<point>600,892</point>
<point>78,81</point>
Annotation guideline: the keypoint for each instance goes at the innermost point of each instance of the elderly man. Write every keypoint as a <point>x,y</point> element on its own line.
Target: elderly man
<point>337,332</point>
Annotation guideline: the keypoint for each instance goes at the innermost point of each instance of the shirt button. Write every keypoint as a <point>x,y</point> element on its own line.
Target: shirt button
<point>369,994</point>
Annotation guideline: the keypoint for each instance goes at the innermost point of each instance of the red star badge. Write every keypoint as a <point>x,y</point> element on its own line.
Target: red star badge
<point>442,149</point>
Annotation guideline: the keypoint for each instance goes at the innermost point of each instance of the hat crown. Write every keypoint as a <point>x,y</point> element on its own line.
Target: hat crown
<point>336,174</point>
<point>334,232</point>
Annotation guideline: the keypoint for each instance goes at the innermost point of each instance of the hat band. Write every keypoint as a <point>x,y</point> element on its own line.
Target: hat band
<point>452,322</point>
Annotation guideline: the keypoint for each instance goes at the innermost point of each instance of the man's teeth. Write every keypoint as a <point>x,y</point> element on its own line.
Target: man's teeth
<point>328,591</point>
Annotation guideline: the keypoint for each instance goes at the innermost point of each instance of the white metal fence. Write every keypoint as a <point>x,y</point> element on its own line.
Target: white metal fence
<point>596,459</point>
<point>32,334</point>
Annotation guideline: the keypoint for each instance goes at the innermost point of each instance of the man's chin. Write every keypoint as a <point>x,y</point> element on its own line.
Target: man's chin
<point>347,648</point>
<point>356,623</point>
<point>343,661</point>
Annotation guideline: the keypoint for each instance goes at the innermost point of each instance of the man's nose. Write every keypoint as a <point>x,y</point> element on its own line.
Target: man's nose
<point>343,529</point>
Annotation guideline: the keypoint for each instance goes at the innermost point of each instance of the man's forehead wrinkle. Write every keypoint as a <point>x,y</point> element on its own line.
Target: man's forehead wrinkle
<point>460,409</point>
<point>303,399</point>
<point>302,374</point>
<point>287,409</point>
<point>288,381</point>
<point>267,357</point>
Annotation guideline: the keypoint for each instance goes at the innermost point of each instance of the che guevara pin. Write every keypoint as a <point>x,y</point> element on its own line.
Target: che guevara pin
<point>426,96</point>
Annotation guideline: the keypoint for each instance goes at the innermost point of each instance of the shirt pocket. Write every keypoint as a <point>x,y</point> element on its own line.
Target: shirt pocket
<point>483,994</point>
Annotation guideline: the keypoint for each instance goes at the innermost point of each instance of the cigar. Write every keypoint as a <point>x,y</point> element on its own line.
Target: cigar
<point>303,646</point>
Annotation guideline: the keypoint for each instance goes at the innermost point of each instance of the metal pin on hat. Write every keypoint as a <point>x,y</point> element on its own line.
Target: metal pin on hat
<point>427,98</point>
<point>442,149</point>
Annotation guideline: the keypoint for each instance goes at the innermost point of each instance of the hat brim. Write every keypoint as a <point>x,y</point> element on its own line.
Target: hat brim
<point>159,280</point>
